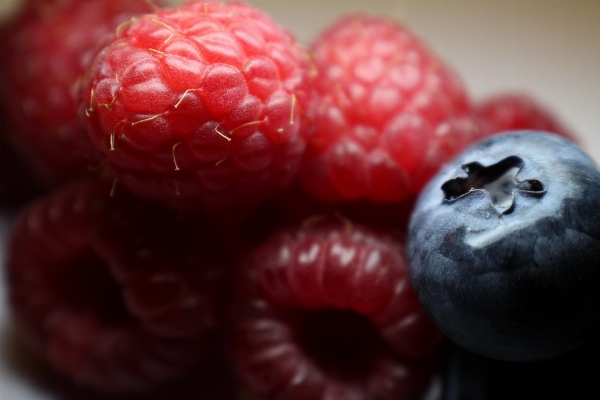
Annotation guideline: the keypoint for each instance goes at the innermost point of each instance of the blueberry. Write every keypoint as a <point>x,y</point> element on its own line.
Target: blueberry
<point>504,247</point>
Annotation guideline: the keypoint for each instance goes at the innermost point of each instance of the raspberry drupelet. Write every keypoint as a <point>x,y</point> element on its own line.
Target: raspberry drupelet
<point>326,311</point>
<point>200,106</point>
<point>113,292</point>
<point>388,113</point>
<point>45,48</point>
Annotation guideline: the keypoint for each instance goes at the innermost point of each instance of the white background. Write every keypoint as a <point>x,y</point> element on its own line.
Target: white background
<point>549,49</point>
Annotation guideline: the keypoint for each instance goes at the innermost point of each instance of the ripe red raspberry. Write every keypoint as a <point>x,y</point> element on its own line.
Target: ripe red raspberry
<point>515,111</point>
<point>326,311</point>
<point>383,105</point>
<point>200,106</point>
<point>45,49</point>
<point>115,293</point>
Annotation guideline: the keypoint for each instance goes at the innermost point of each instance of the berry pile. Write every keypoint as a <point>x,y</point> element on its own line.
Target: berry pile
<point>216,187</point>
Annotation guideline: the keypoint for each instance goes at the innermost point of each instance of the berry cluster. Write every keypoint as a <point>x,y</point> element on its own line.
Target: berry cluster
<point>210,177</point>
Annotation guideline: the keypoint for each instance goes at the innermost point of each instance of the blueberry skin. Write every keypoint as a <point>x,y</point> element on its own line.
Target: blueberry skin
<point>518,279</point>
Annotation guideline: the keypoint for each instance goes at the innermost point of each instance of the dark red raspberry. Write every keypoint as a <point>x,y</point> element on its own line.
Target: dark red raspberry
<point>515,111</point>
<point>115,293</point>
<point>383,109</point>
<point>200,106</point>
<point>326,311</point>
<point>45,49</point>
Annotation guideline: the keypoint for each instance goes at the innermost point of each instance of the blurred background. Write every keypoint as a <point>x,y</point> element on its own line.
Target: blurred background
<point>548,49</point>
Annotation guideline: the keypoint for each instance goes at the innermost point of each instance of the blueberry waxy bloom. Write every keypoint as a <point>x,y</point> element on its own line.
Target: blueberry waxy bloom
<point>504,247</point>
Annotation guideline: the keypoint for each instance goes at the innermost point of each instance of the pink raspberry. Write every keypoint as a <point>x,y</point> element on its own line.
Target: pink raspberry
<point>115,293</point>
<point>327,311</point>
<point>386,111</point>
<point>45,49</point>
<point>200,106</point>
<point>515,111</point>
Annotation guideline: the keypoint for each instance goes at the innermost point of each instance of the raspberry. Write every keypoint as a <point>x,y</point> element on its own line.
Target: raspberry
<point>383,108</point>
<point>113,292</point>
<point>45,50</point>
<point>327,311</point>
<point>518,111</point>
<point>200,106</point>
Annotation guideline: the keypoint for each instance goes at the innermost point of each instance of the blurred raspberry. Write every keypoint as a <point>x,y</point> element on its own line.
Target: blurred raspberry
<point>515,111</point>
<point>46,48</point>
<point>115,293</point>
<point>326,311</point>
<point>385,107</point>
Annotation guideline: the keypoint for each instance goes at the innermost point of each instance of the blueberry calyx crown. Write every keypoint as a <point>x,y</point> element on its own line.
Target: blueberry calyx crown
<point>498,180</point>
